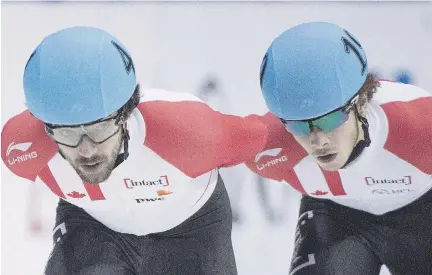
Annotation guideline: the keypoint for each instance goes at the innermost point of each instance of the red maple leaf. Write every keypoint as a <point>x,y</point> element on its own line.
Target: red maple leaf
<point>76,195</point>
<point>319,193</point>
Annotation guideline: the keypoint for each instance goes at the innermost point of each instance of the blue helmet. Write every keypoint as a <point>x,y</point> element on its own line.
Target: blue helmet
<point>78,75</point>
<point>311,70</point>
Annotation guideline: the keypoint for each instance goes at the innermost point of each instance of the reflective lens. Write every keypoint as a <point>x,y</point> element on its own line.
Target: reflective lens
<point>326,123</point>
<point>298,128</point>
<point>97,132</point>
<point>331,121</point>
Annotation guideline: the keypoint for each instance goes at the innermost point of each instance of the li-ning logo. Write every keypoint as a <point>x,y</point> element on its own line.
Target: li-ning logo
<point>406,180</point>
<point>162,181</point>
<point>23,147</point>
<point>272,152</point>
<point>20,147</point>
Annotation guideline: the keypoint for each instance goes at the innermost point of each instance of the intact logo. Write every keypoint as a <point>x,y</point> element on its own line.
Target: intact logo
<point>273,153</point>
<point>162,181</point>
<point>22,149</point>
<point>406,180</point>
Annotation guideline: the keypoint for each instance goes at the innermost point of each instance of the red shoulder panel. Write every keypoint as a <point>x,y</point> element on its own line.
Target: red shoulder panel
<point>280,154</point>
<point>410,131</point>
<point>26,148</point>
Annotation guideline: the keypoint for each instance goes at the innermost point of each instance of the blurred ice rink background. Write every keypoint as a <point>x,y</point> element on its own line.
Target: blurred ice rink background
<point>213,50</point>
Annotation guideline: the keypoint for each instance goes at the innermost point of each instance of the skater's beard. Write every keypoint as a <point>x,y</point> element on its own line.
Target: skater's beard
<point>104,172</point>
<point>98,167</point>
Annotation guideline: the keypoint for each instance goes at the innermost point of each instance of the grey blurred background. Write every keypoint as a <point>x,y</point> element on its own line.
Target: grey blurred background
<point>214,51</point>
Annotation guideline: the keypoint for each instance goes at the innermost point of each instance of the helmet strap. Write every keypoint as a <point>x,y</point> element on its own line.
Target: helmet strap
<point>123,156</point>
<point>362,144</point>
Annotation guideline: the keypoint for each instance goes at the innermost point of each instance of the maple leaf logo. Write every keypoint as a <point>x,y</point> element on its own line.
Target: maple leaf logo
<point>76,195</point>
<point>319,193</point>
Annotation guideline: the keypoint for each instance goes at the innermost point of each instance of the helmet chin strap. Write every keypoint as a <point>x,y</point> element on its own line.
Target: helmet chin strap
<point>362,144</point>
<point>123,156</point>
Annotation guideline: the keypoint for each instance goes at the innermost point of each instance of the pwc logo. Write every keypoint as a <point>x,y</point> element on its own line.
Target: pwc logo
<point>162,193</point>
<point>18,153</point>
<point>273,153</point>
<point>150,200</point>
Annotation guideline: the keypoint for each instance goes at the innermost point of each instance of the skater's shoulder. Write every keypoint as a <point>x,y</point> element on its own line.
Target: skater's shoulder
<point>389,91</point>
<point>26,148</point>
<point>162,95</point>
